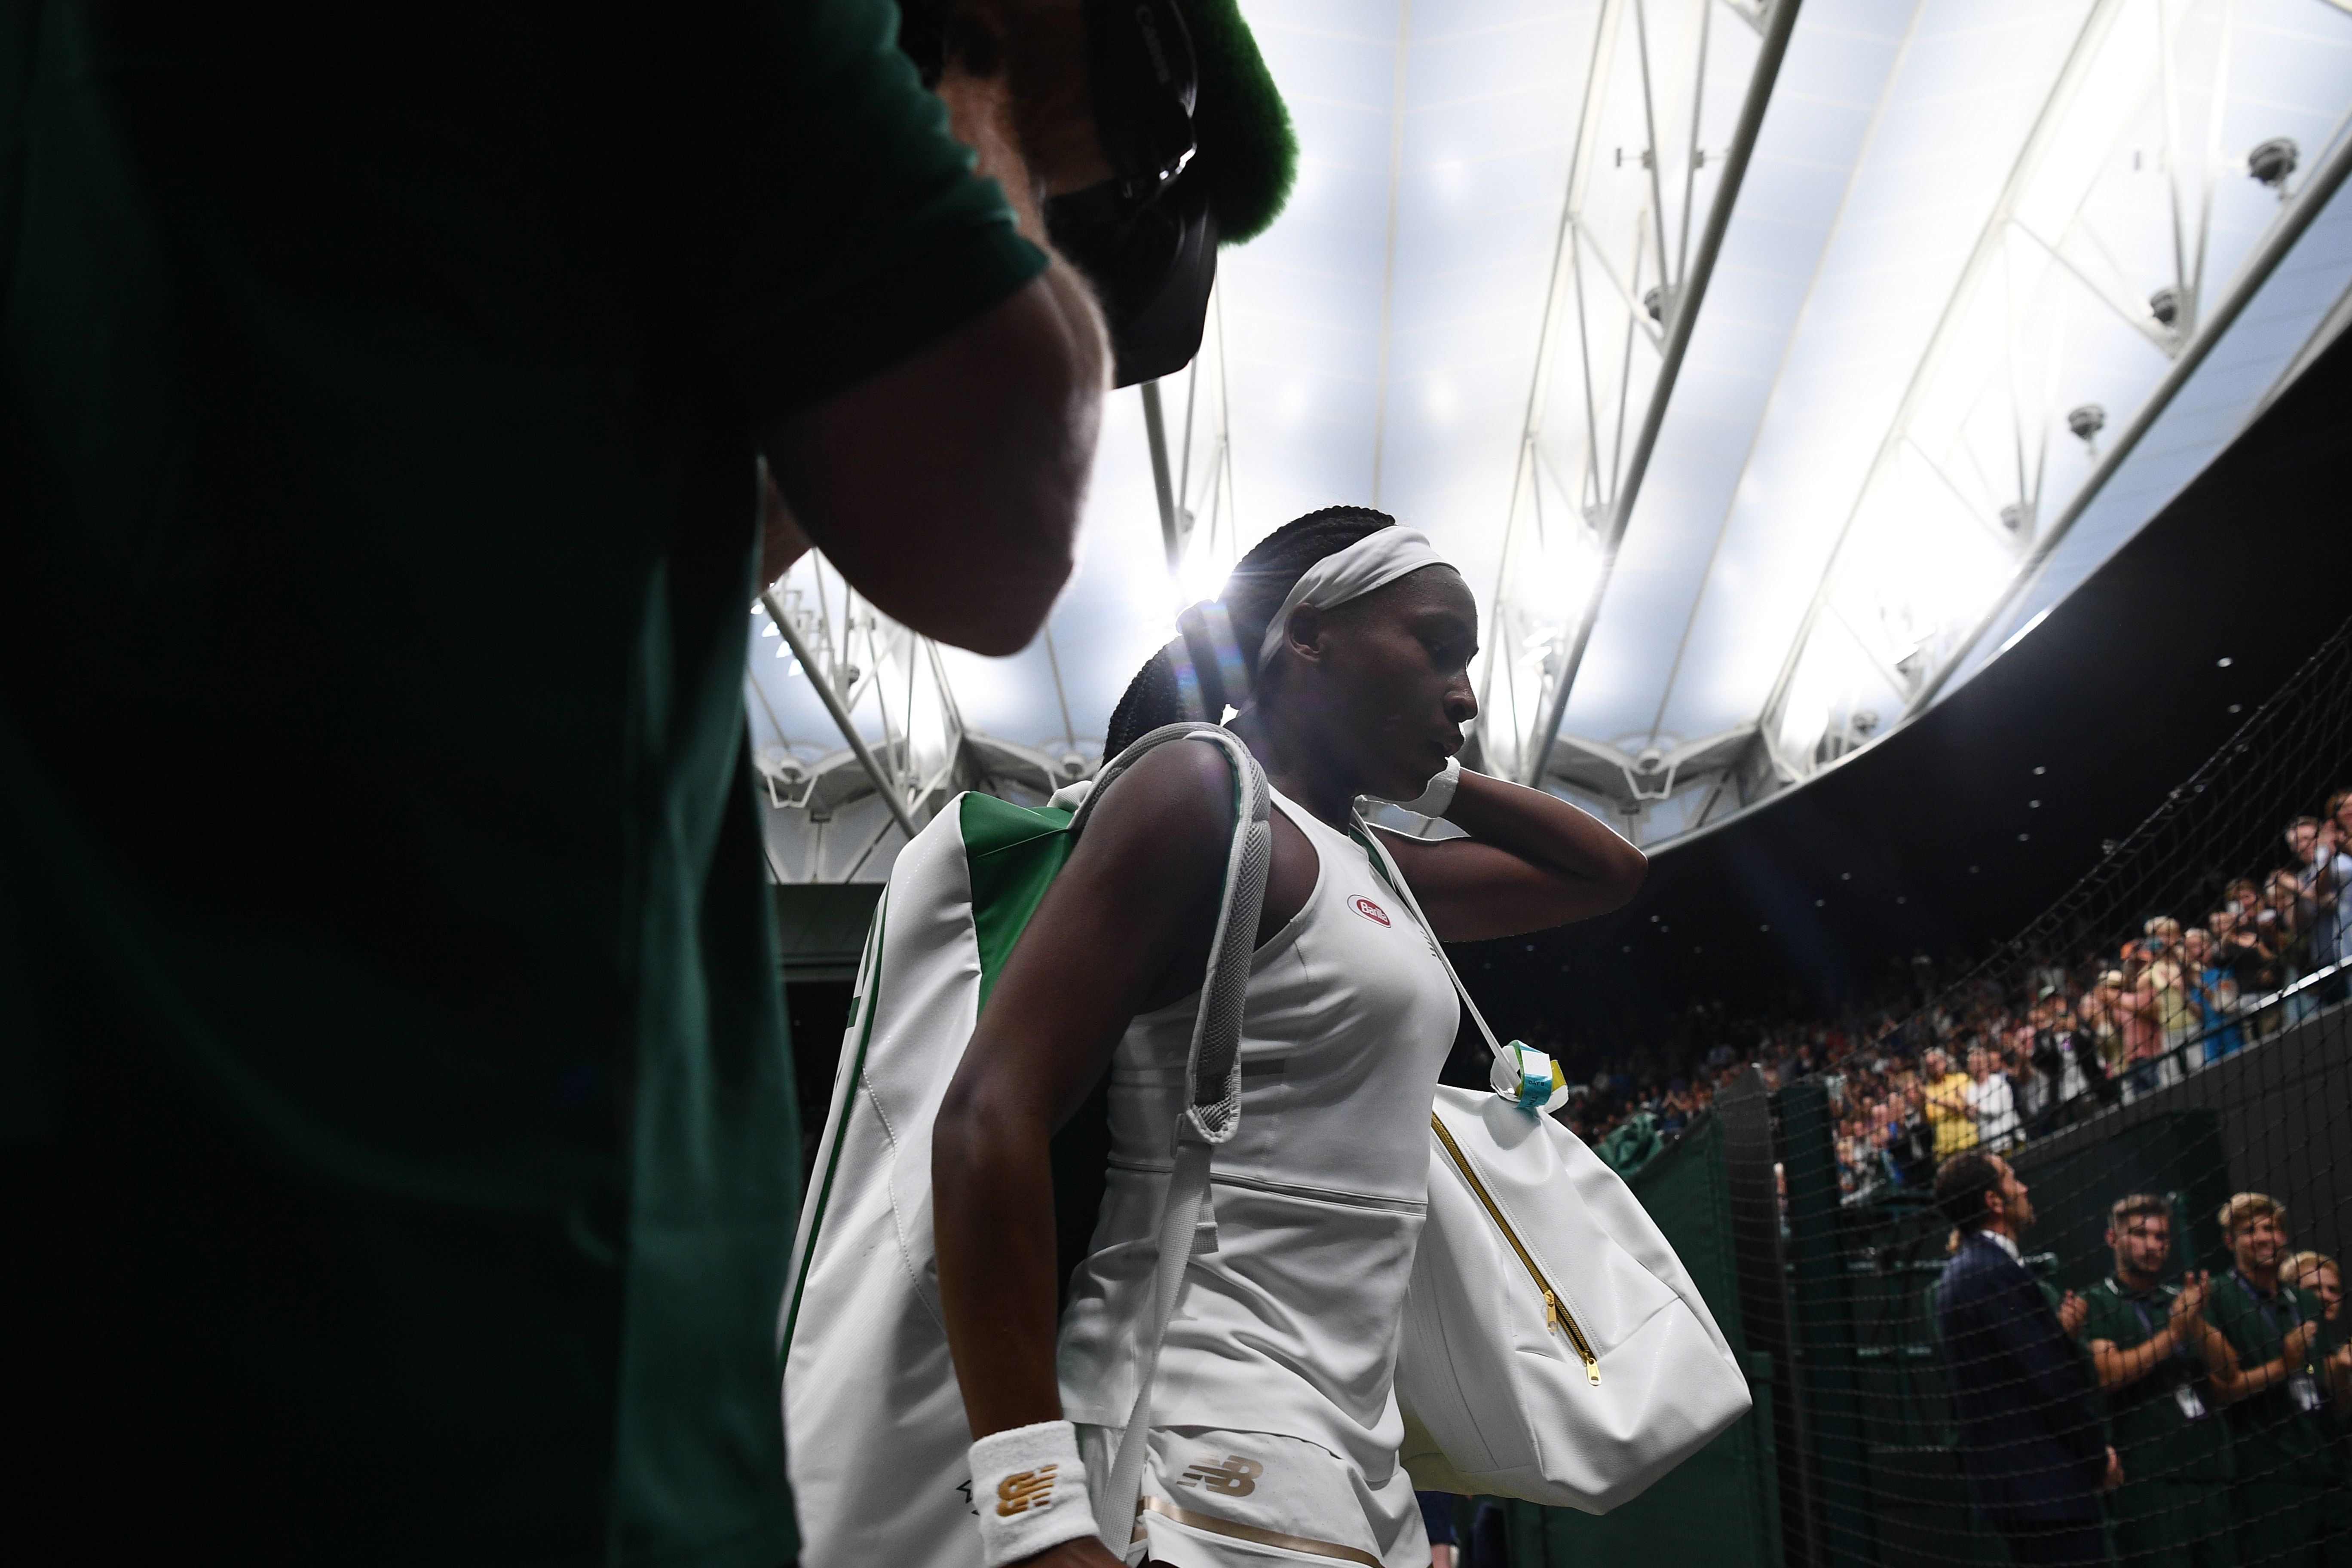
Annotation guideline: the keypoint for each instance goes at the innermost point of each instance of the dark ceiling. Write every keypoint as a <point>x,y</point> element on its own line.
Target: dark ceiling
<point>1931,840</point>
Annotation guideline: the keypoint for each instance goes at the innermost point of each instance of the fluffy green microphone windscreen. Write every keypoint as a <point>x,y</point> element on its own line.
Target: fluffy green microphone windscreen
<point>1247,154</point>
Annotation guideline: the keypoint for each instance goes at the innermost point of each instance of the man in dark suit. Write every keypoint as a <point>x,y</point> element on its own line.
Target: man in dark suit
<point>2029,1435</point>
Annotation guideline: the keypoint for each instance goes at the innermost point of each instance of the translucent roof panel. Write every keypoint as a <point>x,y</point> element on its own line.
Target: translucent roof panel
<point>1998,279</point>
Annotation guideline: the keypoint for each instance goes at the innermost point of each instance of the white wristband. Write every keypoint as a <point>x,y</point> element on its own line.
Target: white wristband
<point>1029,1487</point>
<point>1432,801</point>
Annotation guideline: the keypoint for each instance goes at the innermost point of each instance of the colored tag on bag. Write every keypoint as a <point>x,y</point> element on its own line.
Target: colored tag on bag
<point>1537,1080</point>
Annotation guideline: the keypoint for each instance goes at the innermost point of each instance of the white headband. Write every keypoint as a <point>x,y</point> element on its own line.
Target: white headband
<point>1375,560</point>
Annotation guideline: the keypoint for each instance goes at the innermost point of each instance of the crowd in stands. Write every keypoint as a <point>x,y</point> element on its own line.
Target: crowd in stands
<point>1990,1063</point>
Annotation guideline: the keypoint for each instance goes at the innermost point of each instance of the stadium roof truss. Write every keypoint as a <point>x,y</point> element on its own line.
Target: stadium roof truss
<point>1767,367</point>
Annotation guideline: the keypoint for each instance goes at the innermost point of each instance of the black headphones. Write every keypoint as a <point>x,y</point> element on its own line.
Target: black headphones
<point>1146,84</point>
<point>1144,237</point>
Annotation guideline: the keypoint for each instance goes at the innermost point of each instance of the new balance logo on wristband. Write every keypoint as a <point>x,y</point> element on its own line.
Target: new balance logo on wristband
<point>1024,1489</point>
<point>1232,1475</point>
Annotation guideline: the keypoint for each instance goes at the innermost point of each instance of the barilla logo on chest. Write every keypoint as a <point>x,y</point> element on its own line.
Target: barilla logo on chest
<point>1369,910</point>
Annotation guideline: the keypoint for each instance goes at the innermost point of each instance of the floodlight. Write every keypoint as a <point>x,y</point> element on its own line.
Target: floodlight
<point>2165,305</point>
<point>1560,576</point>
<point>2086,422</point>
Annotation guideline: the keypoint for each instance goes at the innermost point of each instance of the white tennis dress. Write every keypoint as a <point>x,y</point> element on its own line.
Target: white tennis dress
<point>1275,1424</point>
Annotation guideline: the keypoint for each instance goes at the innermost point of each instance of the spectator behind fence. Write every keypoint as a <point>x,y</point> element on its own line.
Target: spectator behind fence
<point>2143,1018</point>
<point>2339,835</point>
<point>1992,1100</point>
<point>2070,1062</point>
<point>2324,1278</point>
<point>2248,956</point>
<point>2213,993</point>
<point>2158,1016</point>
<point>2291,1488</point>
<point>2317,1273</point>
<point>2323,869</point>
<point>398,1129</point>
<point>2102,1010</point>
<point>2028,1437</point>
<point>2170,974</point>
<point>1911,1144</point>
<point>2034,1070</point>
<point>1885,1114</point>
<point>2287,914</point>
<point>2068,1056</point>
<point>1947,1103</point>
<point>2166,1372</point>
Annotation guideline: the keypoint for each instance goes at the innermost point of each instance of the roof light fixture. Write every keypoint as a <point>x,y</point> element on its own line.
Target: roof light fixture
<point>2272,161</point>
<point>2086,421</point>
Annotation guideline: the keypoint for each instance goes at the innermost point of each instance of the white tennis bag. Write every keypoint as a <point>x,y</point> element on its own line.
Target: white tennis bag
<point>872,1415</point>
<point>1554,1347</point>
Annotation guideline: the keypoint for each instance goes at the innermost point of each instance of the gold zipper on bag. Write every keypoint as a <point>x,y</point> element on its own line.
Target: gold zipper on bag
<point>1556,1316</point>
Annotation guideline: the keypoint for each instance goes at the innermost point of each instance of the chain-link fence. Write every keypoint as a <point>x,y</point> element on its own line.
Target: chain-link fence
<point>2045,1272</point>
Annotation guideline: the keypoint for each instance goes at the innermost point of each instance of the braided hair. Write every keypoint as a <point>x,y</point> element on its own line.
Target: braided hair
<point>1212,661</point>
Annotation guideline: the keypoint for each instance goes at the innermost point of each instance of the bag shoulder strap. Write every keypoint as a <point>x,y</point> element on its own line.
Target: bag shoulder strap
<point>1508,1068</point>
<point>1212,1072</point>
<point>1213,1061</point>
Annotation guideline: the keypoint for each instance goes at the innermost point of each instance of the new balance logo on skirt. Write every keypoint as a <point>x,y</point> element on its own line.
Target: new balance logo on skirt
<point>1232,1475</point>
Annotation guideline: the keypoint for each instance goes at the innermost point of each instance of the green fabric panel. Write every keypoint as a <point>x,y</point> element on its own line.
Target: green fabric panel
<point>1014,853</point>
<point>1011,855</point>
<point>1683,1189</point>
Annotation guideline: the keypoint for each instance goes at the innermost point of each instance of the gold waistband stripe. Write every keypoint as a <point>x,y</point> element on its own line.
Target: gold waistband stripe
<point>1256,1537</point>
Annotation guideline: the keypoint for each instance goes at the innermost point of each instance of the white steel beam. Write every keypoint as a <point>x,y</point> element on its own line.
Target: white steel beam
<point>2293,219</point>
<point>840,713</point>
<point>1779,374</point>
<point>2080,60</point>
<point>1682,314</point>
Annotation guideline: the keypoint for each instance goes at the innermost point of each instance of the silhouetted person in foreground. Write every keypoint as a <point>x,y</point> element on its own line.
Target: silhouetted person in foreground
<point>396,1134</point>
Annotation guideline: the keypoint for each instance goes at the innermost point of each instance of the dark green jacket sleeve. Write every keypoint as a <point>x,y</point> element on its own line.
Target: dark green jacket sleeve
<point>821,222</point>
